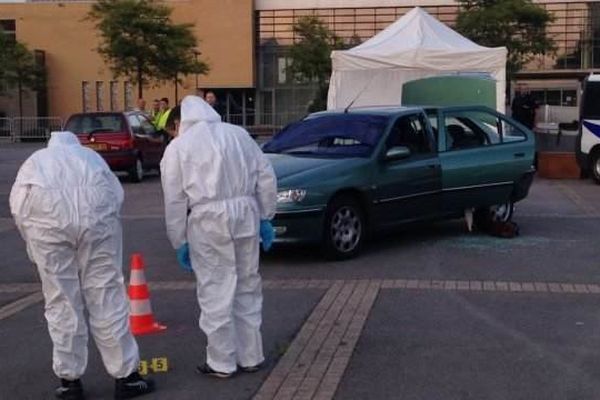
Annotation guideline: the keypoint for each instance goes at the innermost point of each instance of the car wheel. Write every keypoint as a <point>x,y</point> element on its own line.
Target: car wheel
<point>502,212</point>
<point>344,228</point>
<point>595,166</point>
<point>484,217</point>
<point>137,171</point>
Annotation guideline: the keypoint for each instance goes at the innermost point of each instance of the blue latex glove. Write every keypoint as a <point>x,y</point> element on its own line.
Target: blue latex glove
<point>183,257</point>
<point>267,234</point>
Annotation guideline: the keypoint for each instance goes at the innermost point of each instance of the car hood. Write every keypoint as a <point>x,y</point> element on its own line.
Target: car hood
<point>292,170</point>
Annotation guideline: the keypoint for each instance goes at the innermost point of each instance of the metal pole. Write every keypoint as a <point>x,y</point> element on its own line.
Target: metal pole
<point>196,54</point>
<point>244,108</point>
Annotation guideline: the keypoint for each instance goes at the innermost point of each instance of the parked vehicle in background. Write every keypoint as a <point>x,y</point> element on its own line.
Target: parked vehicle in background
<point>128,141</point>
<point>342,174</point>
<point>588,140</point>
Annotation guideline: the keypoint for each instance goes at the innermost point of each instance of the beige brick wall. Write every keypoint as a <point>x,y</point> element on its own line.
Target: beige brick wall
<point>224,29</point>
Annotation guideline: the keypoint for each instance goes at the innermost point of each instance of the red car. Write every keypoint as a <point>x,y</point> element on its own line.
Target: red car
<point>128,141</point>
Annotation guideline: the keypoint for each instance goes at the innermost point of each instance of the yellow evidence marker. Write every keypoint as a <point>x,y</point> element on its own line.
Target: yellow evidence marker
<point>156,365</point>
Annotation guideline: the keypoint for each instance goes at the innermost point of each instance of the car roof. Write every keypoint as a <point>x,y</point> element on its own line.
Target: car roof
<point>397,110</point>
<point>104,113</point>
<point>593,78</point>
<point>371,110</point>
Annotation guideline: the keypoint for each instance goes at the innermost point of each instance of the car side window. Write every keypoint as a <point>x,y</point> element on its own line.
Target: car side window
<point>147,126</point>
<point>410,131</point>
<point>136,127</point>
<point>511,133</point>
<point>466,130</point>
<point>432,116</point>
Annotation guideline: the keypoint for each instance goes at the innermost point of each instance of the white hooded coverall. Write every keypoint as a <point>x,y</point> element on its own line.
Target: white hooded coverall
<point>66,204</point>
<point>217,172</point>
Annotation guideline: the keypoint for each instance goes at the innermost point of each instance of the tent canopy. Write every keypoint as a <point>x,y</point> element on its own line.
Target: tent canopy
<point>415,46</point>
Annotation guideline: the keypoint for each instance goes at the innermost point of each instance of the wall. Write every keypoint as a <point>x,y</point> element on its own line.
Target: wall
<point>9,103</point>
<point>224,29</point>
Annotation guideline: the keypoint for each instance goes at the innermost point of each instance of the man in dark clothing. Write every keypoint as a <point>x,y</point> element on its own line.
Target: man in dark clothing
<point>523,108</point>
<point>211,98</point>
<point>172,125</point>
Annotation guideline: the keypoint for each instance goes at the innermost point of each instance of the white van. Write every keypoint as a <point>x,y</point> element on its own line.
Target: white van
<point>588,140</point>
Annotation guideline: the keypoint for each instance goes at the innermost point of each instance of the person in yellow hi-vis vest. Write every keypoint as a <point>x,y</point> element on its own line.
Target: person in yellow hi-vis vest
<point>160,118</point>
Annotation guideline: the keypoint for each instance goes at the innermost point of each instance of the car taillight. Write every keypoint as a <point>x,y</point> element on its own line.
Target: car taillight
<point>128,143</point>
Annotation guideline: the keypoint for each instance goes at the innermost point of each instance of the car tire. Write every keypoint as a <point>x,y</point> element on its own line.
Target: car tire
<point>136,173</point>
<point>484,217</point>
<point>345,229</point>
<point>595,165</point>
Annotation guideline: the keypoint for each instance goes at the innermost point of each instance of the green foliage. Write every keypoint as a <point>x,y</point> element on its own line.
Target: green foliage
<point>4,57</point>
<point>18,68</point>
<point>139,41</point>
<point>519,25</point>
<point>311,55</point>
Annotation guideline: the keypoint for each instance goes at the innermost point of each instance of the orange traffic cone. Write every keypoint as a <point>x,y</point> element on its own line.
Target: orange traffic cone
<point>141,319</point>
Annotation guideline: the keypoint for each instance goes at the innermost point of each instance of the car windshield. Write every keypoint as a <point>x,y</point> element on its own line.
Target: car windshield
<point>340,135</point>
<point>95,123</point>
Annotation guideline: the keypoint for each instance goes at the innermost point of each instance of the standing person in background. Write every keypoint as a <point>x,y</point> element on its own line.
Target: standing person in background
<point>220,193</point>
<point>172,125</point>
<point>212,99</point>
<point>523,107</point>
<point>160,119</point>
<point>140,105</point>
<point>529,109</point>
<point>66,203</point>
<point>155,108</point>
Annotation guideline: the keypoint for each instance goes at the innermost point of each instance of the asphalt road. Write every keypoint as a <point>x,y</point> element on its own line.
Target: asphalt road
<point>452,315</point>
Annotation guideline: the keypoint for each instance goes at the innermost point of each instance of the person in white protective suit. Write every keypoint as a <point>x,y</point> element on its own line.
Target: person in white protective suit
<point>220,193</point>
<point>66,204</point>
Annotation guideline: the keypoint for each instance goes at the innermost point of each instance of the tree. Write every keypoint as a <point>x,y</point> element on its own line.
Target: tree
<point>177,60</point>
<point>311,55</point>
<point>18,68</point>
<point>519,25</point>
<point>139,41</point>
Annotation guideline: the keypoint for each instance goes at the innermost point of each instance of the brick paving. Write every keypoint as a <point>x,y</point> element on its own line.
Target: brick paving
<point>316,360</point>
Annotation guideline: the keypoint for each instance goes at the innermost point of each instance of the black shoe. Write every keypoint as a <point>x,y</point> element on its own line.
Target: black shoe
<point>251,369</point>
<point>207,370</point>
<point>69,390</point>
<point>132,386</point>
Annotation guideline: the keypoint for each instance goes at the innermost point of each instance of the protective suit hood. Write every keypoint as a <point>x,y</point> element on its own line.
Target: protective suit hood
<point>193,110</point>
<point>64,138</point>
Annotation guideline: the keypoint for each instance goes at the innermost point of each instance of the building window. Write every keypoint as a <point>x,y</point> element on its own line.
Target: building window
<point>114,95</point>
<point>85,96</point>
<point>100,96</point>
<point>353,25</point>
<point>128,95</point>
<point>9,27</point>
<point>555,97</point>
<point>575,29</point>
<point>576,33</point>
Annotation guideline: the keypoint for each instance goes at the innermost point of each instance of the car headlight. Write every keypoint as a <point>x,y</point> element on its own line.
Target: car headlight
<point>291,196</point>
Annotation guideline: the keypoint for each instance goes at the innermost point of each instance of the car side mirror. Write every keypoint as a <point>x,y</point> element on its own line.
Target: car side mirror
<point>397,153</point>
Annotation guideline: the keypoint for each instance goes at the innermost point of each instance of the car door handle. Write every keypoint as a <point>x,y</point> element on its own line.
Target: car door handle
<point>519,155</point>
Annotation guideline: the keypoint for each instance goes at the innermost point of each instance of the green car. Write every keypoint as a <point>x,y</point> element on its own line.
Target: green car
<point>344,174</point>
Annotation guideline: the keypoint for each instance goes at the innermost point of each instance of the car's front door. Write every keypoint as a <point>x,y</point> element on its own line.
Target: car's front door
<point>408,188</point>
<point>139,138</point>
<point>482,155</point>
<point>155,141</point>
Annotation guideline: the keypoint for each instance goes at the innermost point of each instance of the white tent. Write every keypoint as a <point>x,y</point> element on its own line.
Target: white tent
<point>415,46</point>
